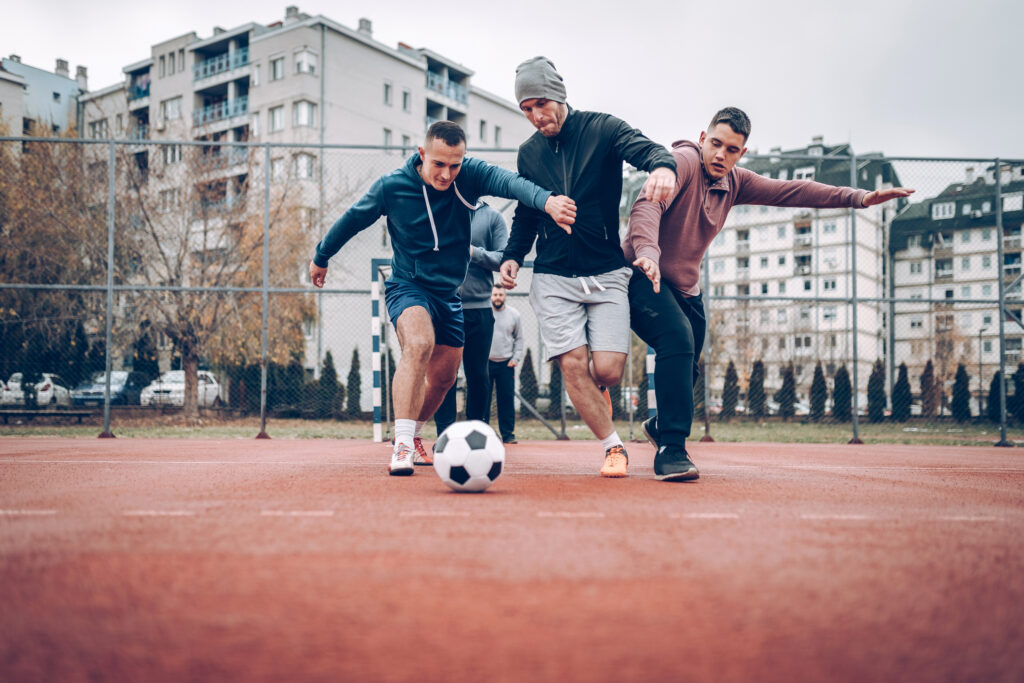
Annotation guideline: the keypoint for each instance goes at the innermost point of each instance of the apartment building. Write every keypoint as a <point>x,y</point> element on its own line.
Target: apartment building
<point>35,101</point>
<point>945,253</point>
<point>788,258</point>
<point>302,80</point>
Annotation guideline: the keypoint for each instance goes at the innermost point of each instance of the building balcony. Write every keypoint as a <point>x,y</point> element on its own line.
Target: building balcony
<point>231,156</point>
<point>802,241</point>
<point>450,89</point>
<point>743,246</point>
<point>137,92</point>
<point>944,274</point>
<point>139,132</point>
<point>1011,270</point>
<point>220,64</point>
<point>1012,242</point>
<point>221,110</point>
<point>743,273</point>
<point>802,270</point>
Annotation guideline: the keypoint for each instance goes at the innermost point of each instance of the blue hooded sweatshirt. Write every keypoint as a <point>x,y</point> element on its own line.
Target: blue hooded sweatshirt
<point>430,229</point>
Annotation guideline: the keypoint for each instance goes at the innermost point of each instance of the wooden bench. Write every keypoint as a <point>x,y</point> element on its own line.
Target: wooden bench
<point>7,413</point>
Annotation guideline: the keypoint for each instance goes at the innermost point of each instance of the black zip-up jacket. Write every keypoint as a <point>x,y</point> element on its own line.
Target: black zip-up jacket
<point>583,162</point>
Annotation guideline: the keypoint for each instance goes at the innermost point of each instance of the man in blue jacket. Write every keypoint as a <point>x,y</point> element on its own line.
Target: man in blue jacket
<point>428,218</point>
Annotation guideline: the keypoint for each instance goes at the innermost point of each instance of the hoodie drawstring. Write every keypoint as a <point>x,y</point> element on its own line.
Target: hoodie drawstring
<point>586,289</point>
<point>430,214</point>
<point>458,194</point>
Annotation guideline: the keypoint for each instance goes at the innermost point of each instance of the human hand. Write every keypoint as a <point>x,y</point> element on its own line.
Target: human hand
<point>659,185</point>
<point>509,270</point>
<point>511,363</point>
<point>882,196</point>
<point>563,210</point>
<point>317,274</point>
<point>651,270</point>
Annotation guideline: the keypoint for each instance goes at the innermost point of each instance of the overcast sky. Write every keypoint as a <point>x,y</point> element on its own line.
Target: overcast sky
<point>903,77</point>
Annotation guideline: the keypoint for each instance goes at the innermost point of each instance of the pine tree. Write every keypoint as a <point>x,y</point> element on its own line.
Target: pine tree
<point>819,394</point>
<point>994,407</point>
<point>555,392</point>
<point>354,384</point>
<point>144,355</point>
<point>961,407</point>
<point>931,393</point>
<point>641,397</point>
<point>78,345</point>
<point>387,380</point>
<point>527,384</point>
<point>1018,394</point>
<point>901,398</point>
<point>730,392</point>
<point>755,390</point>
<point>876,392</point>
<point>841,395</point>
<point>327,389</point>
<point>698,395</point>
<point>786,395</point>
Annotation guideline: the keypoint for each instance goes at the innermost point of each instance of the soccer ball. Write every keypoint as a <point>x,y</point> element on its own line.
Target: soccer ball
<point>469,456</point>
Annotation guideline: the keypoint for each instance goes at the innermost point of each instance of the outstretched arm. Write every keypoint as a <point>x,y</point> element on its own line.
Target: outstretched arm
<point>882,196</point>
<point>755,189</point>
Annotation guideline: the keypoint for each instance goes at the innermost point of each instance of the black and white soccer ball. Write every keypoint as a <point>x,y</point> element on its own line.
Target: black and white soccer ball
<point>469,456</point>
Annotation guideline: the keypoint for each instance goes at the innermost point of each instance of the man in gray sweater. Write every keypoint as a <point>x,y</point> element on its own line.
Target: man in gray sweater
<point>506,354</point>
<point>488,236</point>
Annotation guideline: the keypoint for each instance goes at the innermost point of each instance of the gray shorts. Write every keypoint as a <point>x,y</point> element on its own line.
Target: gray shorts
<point>574,312</point>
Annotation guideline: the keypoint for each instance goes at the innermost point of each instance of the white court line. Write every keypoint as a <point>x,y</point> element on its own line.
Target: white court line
<point>175,462</point>
<point>297,513</point>
<point>706,515</point>
<point>572,515</point>
<point>909,468</point>
<point>854,518</point>
<point>27,513</point>
<point>970,518</point>
<point>433,513</point>
<point>159,513</point>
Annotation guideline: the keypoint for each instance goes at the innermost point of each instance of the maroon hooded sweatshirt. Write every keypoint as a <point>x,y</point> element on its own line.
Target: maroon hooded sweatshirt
<point>676,233</point>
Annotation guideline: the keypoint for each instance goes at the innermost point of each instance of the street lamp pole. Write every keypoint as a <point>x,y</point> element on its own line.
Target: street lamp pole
<point>981,382</point>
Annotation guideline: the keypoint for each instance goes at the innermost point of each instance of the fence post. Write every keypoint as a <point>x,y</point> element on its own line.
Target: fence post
<point>853,301</point>
<point>1002,311</point>
<point>266,295</point>
<point>106,433</point>
<point>375,347</point>
<point>707,438</point>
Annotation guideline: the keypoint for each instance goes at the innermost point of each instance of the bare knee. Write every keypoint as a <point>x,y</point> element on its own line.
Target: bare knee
<point>417,351</point>
<point>607,376</point>
<point>574,366</point>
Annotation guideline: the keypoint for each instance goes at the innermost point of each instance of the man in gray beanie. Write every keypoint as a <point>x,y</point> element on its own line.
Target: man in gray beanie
<point>580,280</point>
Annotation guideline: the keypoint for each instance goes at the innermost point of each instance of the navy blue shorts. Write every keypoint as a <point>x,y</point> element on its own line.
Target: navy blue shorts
<point>446,314</point>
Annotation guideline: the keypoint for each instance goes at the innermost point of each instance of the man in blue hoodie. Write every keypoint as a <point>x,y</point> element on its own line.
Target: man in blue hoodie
<point>428,218</point>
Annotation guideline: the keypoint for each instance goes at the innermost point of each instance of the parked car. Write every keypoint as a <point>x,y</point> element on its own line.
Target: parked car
<point>169,390</point>
<point>50,390</point>
<point>125,389</point>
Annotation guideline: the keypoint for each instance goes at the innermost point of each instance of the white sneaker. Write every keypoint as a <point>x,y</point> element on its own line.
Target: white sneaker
<point>401,461</point>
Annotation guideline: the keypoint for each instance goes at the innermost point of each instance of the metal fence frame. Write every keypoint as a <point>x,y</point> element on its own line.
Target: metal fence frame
<point>265,289</point>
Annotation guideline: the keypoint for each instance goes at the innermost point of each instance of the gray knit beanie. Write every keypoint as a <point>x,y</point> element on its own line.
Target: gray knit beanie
<point>537,78</point>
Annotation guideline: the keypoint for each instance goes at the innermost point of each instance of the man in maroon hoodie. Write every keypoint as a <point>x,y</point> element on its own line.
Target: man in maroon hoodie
<point>667,240</point>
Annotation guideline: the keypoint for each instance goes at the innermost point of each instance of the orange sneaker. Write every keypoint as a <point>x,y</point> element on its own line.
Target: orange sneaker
<point>615,462</point>
<point>421,457</point>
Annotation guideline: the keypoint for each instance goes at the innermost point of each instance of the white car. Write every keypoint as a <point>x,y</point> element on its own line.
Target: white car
<point>169,390</point>
<point>51,390</point>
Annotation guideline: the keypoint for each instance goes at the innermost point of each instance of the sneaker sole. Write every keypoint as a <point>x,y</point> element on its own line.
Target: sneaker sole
<point>614,475</point>
<point>400,472</point>
<point>651,439</point>
<point>423,463</point>
<point>688,475</point>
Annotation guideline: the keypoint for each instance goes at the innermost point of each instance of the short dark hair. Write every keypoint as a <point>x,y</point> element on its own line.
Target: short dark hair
<point>451,133</point>
<point>736,118</point>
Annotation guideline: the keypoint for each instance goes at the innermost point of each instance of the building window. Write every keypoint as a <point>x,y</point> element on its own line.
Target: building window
<point>764,287</point>
<point>782,232</point>
<point>719,290</point>
<point>304,166</point>
<point>276,119</point>
<point>782,260</point>
<point>764,261</point>
<point>986,207</point>
<point>483,130</point>
<point>965,321</point>
<point>304,113</point>
<point>807,285</point>
<point>986,234</point>
<point>781,315</point>
<point>766,317</point>
<point>254,124</point>
<point>916,322</point>
<point>942,210</point>
<point>181,59</point>
<point>171,154</point>
<point>782,346</point>
<point>98,129</point>
<point>406,100</point>
<point>277,69</point>
<point>828,313</point>
<point>163,66</point>
<point>965,235</point>
<point>829,228</point>
<point>387,137</point>
<point>277,169</point>
<point>986,261</point>
<point>170,64</point>
<point>170,110</point>
<point>782,286</point>
<point>987,346</point>
<point>986,290</point>
<point>120,123</point>
<point>387,93</point>
<point>913,241</point>
<point>986,320</point>
<point>497,136</point>
<point>169,200</point>
<point>406,141</point>
<point>305,62</point>
<point>805,173</point>
<point>915,267</point>
<point>916,295</point>
<point>965,291</point>
<point>805,312</point>
<point>1011,202</point>
<point>256,69</point>
<point>718,266</point>
<point>829,285</point>
<point>965,263</point>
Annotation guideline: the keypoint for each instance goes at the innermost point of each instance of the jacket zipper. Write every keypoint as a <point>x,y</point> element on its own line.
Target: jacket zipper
<point>565,188</point>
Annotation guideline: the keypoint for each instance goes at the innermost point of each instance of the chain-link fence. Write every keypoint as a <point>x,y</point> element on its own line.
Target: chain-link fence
<point>188,261</point>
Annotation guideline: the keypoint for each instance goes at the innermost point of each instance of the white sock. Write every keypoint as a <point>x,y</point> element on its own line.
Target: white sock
<point>419,427</point>
<point>404,430</point>
<point>611,440</point>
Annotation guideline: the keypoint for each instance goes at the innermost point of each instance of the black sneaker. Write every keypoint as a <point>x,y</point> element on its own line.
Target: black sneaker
<point>672,463</point>
<point>650,427</point>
